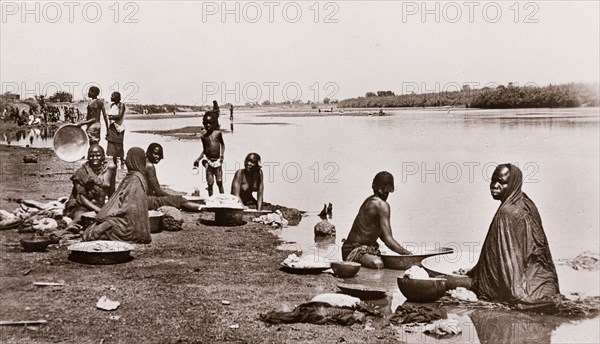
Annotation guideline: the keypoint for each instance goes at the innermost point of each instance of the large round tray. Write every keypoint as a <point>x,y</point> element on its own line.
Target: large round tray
<point>113,252</point>
<point>70,143</point>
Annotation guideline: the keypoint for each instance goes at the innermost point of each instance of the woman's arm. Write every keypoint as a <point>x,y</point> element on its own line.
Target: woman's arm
<point>81,199</point>
<point>259,196</point>
<point>103,110</point>
<point>153,184</point>
<point>236,183</point>
<point>86,122</point>
<point>222,156</point>
<point>386,230</point>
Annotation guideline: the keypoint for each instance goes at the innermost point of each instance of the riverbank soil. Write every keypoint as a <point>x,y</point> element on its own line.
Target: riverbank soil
<point>173,291</point>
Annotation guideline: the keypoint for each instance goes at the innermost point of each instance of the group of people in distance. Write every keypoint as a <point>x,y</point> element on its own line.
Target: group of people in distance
<point>515,265</point>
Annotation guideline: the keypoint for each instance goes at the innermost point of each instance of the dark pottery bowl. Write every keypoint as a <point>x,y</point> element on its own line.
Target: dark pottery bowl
<point>345,269</point>
<point>422,290</point>
<point>35,244</point>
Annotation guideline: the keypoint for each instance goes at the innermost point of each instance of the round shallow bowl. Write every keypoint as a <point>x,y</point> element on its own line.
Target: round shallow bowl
<point>101,252</point>
<point>422,290</point>
<point>35,244</point>
<point>403,262</point>
<point>70,143</point>
<point>363,292</point>
<point>446,268</point>
<point>345,269</point>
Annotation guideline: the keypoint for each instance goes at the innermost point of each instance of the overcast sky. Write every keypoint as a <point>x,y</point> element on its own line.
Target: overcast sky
<point>190,52</point>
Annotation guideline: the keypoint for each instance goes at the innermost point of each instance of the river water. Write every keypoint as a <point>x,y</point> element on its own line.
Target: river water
<point>441,161</point>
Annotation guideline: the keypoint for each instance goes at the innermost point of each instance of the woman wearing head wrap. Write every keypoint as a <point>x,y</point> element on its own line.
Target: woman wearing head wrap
<point>125,216</point>
<point>515,265</point>
<point>91,182</point>
<point>249,180</point>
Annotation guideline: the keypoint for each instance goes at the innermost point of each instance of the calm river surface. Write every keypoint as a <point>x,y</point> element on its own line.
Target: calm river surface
<point>441,162</point>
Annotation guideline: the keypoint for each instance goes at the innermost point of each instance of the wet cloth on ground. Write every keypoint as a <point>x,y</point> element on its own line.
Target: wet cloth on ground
<point>314,313</point>
<point>405,314</point>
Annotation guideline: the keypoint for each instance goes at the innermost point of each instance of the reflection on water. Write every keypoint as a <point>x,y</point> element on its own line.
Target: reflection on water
<point>513,327</point>
<point>35,136</point>
<point>441,165</point>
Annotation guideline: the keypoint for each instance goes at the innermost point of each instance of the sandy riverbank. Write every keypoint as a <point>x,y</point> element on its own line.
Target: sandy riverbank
<point>170,292</point>
<point>173,290</point>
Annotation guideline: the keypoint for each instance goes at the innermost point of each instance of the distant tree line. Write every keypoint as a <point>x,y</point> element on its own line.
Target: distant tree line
<point>501,97</point>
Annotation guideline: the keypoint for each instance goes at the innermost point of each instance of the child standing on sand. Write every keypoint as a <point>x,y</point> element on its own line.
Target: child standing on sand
<point>212,153</point>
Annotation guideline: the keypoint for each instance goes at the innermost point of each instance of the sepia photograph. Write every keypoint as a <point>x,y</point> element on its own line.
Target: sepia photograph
<point>302,171</point>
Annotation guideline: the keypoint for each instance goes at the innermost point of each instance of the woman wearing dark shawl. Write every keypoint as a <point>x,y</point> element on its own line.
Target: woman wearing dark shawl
<point>125,216</point>
<point>515,265</point>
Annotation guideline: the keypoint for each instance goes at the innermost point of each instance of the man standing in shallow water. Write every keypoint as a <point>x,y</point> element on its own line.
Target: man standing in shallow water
<point>372,223</point>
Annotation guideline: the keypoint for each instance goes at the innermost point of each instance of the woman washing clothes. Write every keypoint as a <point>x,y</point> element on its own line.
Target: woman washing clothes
<point>249,180</point>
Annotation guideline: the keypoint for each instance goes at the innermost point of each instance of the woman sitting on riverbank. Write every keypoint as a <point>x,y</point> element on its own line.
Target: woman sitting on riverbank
<point>249,180</point>
<point>91,182</point>
<point>125,215</point>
